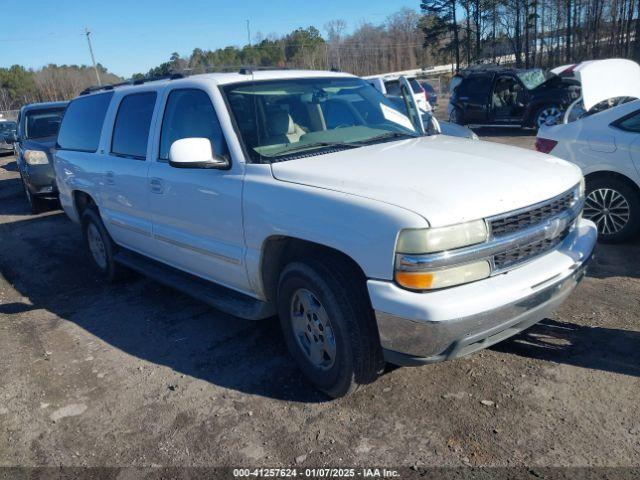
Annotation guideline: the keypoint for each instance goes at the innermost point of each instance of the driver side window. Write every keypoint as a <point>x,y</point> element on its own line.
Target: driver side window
<point>190,113</point>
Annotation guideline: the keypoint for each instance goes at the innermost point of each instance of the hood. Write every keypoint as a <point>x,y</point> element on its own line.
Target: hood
<point>605,79</point>
<point>444,179</point>
<point>44,144</point>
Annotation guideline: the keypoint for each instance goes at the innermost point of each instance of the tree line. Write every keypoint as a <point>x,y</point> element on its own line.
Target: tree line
<point>525,33</point>
<point>542,33</point>
<point>19,86</point>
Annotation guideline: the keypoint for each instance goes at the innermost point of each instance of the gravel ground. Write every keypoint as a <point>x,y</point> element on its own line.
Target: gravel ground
<point>138,374</point>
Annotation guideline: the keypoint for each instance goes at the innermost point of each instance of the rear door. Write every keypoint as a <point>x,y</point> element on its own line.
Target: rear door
<point>472,96</point>
<point>197,213</point>
<point>124,195</point>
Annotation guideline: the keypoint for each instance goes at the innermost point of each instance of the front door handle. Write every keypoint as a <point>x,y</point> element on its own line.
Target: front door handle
<point>110,178</point>
<point>156,185</point>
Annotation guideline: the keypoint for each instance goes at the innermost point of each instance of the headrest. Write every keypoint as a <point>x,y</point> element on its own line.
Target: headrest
<point>280,123</point>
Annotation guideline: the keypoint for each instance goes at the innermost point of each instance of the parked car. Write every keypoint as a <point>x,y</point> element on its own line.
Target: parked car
<point>8,128</point>
<point>499,96</point>
<point>308,195</point>
<point>430,92</point>
<point>389,85</point>
<point>606,146</point>
<point>428,118</point>
<point>38,125</point>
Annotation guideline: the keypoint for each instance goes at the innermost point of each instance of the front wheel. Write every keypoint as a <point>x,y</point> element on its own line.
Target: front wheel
<point>329,325</point>
<point>614,206</point>
<point>548,115</point>
<point>37,205</point>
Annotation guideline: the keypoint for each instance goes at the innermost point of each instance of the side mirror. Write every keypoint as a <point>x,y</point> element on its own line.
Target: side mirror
<point>195,153</point>
<point>11,137</point>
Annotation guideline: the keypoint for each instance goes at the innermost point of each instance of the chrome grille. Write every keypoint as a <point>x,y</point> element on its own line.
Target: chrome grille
<point>527,252</point>
<point>518,221</point>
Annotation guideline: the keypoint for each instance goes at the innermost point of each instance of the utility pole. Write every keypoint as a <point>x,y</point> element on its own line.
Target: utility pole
<point>87,32</point>
<point>248,33</point>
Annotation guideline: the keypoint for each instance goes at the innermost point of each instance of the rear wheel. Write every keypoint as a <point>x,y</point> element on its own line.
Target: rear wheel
<point>454,116</point>
<point>614,206</point>
<point>100,245</point>
<point>329,325</point>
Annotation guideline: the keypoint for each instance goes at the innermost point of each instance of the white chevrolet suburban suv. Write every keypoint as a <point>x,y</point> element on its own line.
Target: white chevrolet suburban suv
<point>310,196</point>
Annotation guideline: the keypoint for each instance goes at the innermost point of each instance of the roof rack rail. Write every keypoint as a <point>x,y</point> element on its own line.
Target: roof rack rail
<point>132,81</point>
<point>248,70</point>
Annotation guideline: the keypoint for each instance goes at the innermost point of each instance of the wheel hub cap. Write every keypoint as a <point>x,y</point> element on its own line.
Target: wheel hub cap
<point>96,245</point>
<point>608,209</point>
<point>312,329</point>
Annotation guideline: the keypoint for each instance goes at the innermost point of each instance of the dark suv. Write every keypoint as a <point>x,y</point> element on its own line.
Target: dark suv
<point>38,125</point>
<point>498,96</point>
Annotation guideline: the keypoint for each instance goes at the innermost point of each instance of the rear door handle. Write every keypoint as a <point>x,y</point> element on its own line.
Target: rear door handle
<point>156,185</point>
<point>110,178</point>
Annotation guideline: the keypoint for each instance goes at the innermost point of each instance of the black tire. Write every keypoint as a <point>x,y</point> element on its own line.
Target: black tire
<point>543,111</point>
<point>358,356</point>
<point>92,224</point>
<point>630,195</point>
<point>36,205</point>
<point>454,116</point>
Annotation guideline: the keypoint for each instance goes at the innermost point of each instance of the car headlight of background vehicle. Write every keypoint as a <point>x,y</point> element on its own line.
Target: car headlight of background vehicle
<point>35,157</point>
<point>411,274</point>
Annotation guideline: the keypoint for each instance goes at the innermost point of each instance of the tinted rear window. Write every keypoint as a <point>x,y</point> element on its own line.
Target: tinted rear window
<point>82,123</point>
<point>476,85</point>
<point>43,123</point>
<point>131,130</point>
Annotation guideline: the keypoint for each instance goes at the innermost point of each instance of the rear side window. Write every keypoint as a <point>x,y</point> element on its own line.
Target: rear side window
<point>131,129</point>
<point>477,85</point>
<point>190,113</point>
<point>82,123</point>
<point>630,123</point>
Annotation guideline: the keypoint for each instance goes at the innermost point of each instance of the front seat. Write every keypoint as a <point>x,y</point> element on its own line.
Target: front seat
<point>282,129</point>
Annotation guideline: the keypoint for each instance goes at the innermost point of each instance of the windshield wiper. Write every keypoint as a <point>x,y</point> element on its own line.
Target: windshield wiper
<point>384,136</point>
<point>311,146</point>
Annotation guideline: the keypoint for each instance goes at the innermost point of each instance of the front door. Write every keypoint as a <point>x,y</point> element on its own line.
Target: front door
<point>507,100</point>
<point>197,213</point>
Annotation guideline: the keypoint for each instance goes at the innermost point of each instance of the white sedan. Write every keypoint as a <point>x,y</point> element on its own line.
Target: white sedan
<point>606,146</point>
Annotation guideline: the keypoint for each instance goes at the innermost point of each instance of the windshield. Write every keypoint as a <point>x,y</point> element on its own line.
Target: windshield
<point>532,78</point>
<point>43,123</point>
<point>284,119</point>
<point>6,127</point>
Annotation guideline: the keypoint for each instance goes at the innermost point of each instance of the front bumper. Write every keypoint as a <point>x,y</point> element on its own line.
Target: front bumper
<point>41,180</point>
<point>420,328</point>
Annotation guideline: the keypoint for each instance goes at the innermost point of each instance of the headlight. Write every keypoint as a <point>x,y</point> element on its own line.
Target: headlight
<point>412,244</point>
<point>35,157</point>
<point>429,240</point>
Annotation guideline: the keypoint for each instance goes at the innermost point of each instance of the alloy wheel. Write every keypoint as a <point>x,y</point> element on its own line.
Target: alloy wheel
<point>312,329</point>
<point>609,209</point>
<point>549,116</point>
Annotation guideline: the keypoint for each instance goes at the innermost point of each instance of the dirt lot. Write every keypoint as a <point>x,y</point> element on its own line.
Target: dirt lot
<point>137,374</point>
